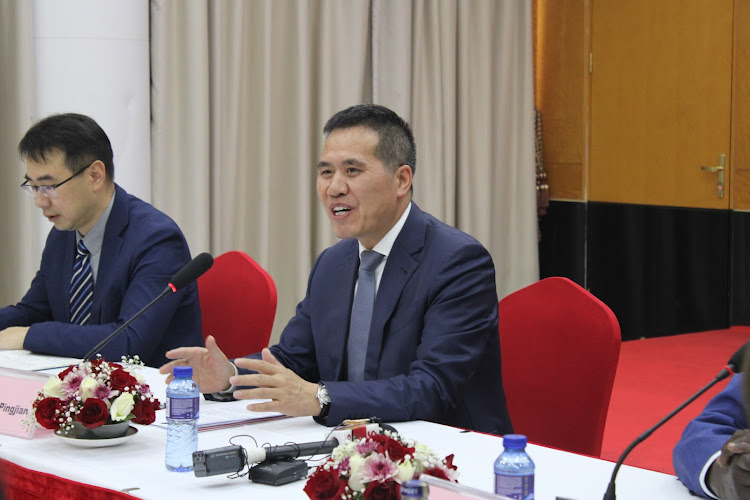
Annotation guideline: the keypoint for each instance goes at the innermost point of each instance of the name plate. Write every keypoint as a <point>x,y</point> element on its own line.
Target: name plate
<point>18,390</point>
<point>440,489</point>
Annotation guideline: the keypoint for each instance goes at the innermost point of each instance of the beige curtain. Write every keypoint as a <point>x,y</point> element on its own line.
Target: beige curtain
<point>241,90</point>
<point>17,105</point>
<point>461,72</point>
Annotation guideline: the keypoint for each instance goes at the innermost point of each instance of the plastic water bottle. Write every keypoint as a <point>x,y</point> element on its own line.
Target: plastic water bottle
<point>514,469</point>
<point>183,400</point>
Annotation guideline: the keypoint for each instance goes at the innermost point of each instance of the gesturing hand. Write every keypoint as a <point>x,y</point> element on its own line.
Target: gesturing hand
<point>289,393</point>
<point>211,368</point>
<point>729,476</point>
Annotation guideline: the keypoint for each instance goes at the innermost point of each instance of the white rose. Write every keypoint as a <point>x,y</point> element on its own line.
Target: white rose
<point>355,481</point>
<point>405,471</point>
<point>121,407</point>
<point>88,384</point>
<point>53,387</point>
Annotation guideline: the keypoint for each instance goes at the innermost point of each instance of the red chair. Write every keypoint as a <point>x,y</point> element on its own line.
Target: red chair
<point>238,304</point>
<point>560,346</point>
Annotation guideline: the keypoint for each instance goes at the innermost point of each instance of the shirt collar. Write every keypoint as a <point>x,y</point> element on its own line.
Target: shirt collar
<point>94,238</point>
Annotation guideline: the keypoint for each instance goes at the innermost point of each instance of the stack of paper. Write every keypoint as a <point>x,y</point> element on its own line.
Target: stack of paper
<point>219,415</point>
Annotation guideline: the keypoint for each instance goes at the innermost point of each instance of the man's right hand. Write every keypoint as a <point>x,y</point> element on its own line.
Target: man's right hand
<point>729,475</point>
<point>211,368</point>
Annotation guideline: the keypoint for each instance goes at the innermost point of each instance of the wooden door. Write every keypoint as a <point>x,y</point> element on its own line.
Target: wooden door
<point>660,101</point>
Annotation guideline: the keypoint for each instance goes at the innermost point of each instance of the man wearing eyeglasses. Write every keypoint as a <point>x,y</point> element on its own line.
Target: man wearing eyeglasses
<point>108,255</point>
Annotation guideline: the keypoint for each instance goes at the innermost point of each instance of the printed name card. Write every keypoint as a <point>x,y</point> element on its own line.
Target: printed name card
<point>440,489</point>
<point>18,390</point>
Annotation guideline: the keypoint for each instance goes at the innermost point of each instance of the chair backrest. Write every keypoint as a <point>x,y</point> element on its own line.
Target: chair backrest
<point>560,346</point>
<point>238,304</point>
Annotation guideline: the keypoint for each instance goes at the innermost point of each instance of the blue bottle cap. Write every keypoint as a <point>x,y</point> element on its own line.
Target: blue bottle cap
<point>514,441</point>
<point>184,371</point>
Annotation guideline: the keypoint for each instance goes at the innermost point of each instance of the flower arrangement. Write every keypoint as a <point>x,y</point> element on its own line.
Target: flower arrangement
<point>94,393</point>
<point>374,467</point>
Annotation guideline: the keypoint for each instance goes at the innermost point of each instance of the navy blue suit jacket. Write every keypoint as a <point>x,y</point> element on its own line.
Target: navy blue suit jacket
<point>433,351</point>
<point>707,433</point>
<point>141,251</point>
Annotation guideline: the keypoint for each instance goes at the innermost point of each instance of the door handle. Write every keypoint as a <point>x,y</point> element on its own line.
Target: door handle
<point>719,170</point>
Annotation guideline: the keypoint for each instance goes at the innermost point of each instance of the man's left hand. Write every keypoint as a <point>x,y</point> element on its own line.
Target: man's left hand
<point>729,476</point>
<point>289,393</point>
<point>13,337</point>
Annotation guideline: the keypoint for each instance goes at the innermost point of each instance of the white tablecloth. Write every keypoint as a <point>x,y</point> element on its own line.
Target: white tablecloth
<point>138,464</point>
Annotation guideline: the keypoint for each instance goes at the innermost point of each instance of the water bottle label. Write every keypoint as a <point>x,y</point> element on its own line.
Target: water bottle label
<point>516,487</point>
<point>182,408</point>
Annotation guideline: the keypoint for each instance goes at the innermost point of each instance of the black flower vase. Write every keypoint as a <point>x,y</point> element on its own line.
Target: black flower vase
<point>107,431</point>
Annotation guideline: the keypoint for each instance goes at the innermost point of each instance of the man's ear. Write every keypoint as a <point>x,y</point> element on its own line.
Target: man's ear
<point>98,174</point>
<point>403,178</point>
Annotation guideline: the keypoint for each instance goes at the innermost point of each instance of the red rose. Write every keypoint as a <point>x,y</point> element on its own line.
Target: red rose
<point>45,412</point>
<point>442,472</point>
<point>325,484</point>
<point>119,379</point>
<point>382,491</point>
<point>395,449</point>
<point>69,369</point>
<point>145,411</point>
<point>93,413</point>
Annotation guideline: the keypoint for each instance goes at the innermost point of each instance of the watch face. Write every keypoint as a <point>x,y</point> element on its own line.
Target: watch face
<point>322,395</point>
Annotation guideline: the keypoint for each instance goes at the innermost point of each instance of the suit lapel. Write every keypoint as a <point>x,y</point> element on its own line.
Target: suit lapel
<point>401,264</point>
<point>111,245</point>
<point>338,321</point>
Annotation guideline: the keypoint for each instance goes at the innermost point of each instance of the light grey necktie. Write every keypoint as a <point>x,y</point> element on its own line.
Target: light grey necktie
<point>359,324</point>
<point>81,287</point>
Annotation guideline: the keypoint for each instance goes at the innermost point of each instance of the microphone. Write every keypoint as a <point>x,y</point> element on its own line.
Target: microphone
<point>290,451</point>
<point>734,365</point>
<point>232,459</point>
<point>189,273</point>
<point>339,435</point>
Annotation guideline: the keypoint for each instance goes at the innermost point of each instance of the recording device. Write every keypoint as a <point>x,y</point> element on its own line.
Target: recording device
<point>278,473</point>
<point>734,365</point>
<point>189,273</point>
<point>225,460</point>
<point>277,465</point>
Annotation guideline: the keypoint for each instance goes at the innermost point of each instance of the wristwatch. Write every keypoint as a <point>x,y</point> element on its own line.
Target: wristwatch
<point>325,402</point>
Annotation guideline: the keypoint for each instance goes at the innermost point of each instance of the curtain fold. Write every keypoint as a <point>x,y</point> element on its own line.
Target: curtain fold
<point>17,102</point>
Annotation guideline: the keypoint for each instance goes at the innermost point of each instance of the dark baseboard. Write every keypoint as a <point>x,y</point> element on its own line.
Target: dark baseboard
<point>562,246</point>
<point>662,270</point>
<point>739,312</point>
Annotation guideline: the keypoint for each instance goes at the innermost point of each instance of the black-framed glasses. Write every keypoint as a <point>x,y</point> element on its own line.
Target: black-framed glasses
<point>48,191</point>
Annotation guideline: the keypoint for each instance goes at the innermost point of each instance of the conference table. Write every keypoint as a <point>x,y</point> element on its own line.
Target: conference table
<point>137,465</point>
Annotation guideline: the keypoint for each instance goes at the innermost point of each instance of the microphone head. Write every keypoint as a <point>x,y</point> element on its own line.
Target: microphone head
<point>735,363</point>
<point>191,271</point>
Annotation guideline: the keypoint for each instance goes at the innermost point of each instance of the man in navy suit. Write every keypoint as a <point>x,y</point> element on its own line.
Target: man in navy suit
<point>712,457</point>
<point>432,350</point>
<point>133,251</point>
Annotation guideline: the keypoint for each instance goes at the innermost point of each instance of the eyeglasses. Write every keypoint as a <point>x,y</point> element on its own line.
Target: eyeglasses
<point>48,191</point>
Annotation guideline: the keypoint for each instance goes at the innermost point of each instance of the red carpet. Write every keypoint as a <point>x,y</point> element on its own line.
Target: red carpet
<point>654,376</point>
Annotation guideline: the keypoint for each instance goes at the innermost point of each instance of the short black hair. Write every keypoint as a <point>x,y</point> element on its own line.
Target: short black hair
<point>78,136</point>
<point>396,144</point>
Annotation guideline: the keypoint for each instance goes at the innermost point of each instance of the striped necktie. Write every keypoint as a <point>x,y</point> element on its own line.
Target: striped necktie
<point>359,324</point>
<point>81,287</point>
